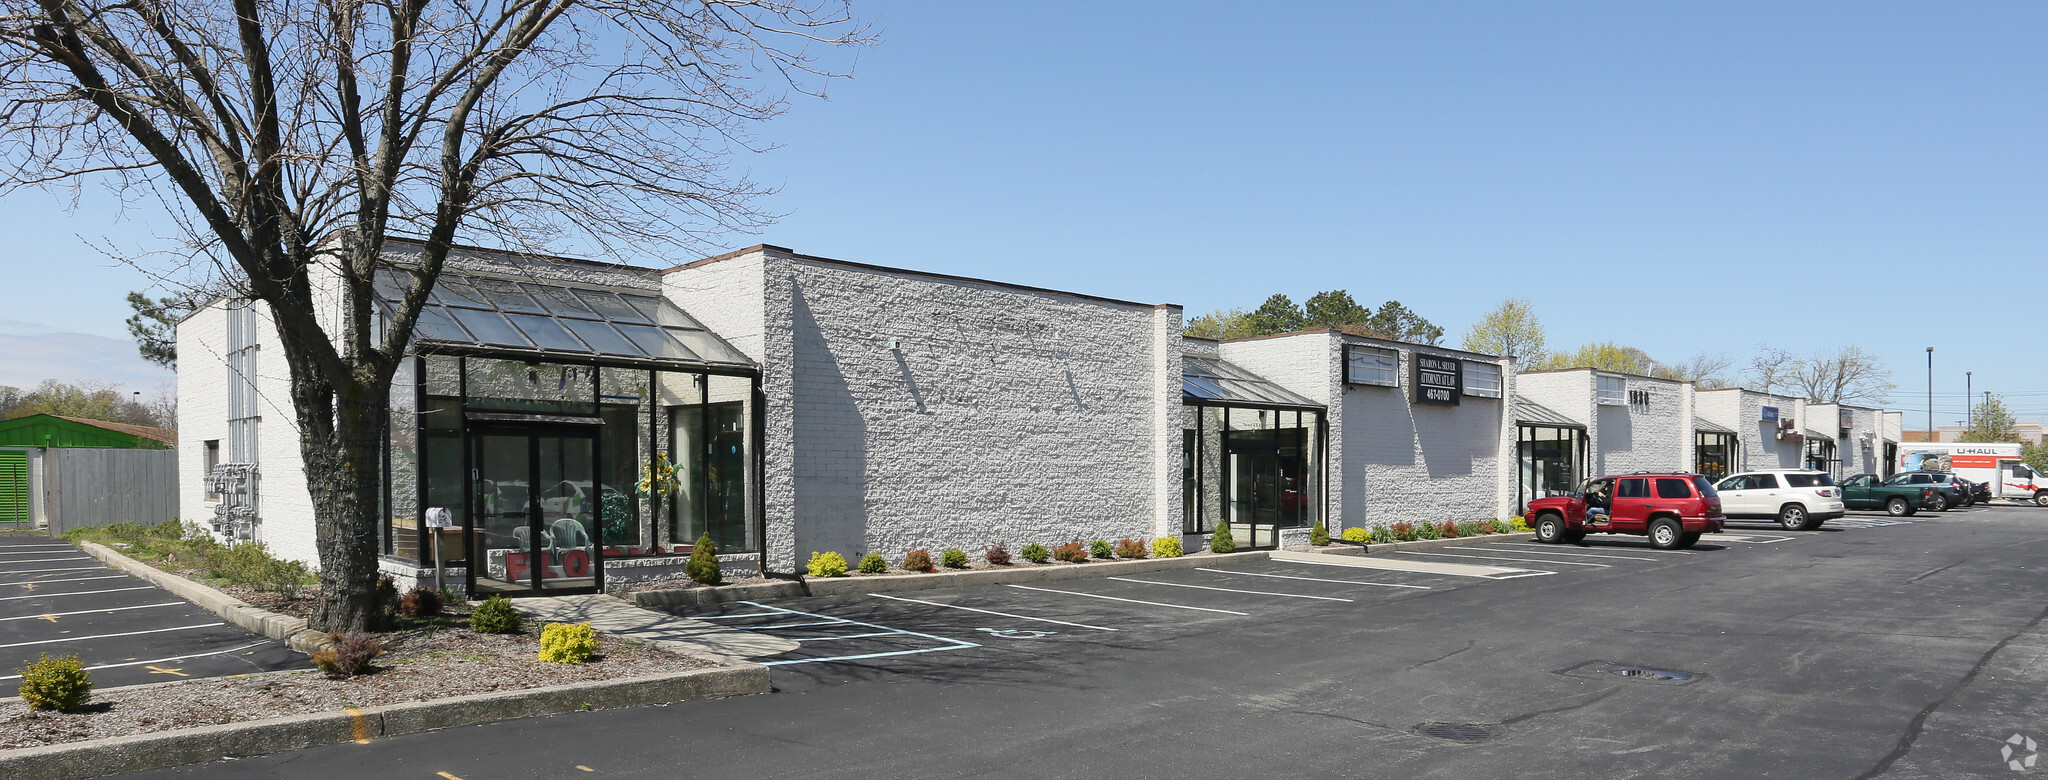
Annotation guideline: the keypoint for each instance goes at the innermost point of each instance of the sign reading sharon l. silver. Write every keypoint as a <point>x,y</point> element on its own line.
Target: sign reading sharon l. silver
<point>1438,380</point>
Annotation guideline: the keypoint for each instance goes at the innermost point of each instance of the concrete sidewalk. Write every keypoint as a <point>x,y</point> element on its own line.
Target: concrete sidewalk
<point>615,616</point>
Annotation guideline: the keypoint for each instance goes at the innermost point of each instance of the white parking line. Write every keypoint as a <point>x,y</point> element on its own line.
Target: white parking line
<point>1228,590</point>
<point>992,612</point>
<point>1555,552</point>
<point>93,611</point>
<point>74,579</point>
<point>23,546</point>
<point>51,560</point>
<point>848,636</point>
<point>786,625</point>
<point>1751,539</point>
<point>1506,558</point>
<point>1313,579</point>
<point>156,660</point>
<point>32,571</point>
<point>80,593</point>
<point>740,615</point>
<point>109,636</point>
<point>1133,601</point>
<point>1377,563</point>
<point>955,644</point>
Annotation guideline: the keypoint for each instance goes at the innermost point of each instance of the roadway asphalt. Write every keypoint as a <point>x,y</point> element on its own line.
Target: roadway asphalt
<point>58,601</point>
<point>1870,647</point>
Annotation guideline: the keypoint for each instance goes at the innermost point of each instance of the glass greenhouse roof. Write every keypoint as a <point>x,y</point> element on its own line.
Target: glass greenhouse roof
<point>1211,379</point>
<point>579,321</point>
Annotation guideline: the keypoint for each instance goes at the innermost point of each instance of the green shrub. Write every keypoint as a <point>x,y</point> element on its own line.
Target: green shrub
<point>1319,535</point>
<point>953,558</point>
<point>1101,549</point>
<point>873,563</point>
<point>1381,534</point>
<point>348,655</point>
<point>827,564</point>
<point>1427,531</point>
<point>917,560</point>
<point>1221,541</point>
<point>997,555</point>
<point>60,684</point>
<point>496,616</point>
<point>1036,553</point>
<point>1357,533</point>
<point>703,565</point>
<point>567,643</point>
<point>1517,524</point>
<point>1166,547</point>
<point>1130,548</point>
<point>248,564</point>
<point>1071,552</point>
<point>1469,528</point>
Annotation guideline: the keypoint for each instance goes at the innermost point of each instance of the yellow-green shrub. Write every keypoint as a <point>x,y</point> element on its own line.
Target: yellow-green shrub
<point>1518,524</point>
<point>1357,533</point>
<point>827,564</point>
<point>567,643</point>
<point>1166,547</point>
<point>60,684</point>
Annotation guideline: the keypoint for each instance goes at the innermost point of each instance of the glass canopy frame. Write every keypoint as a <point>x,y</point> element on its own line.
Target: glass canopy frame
<point>559,321</point>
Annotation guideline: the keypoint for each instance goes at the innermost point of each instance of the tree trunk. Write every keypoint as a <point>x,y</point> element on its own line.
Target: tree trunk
<point>344,474</point>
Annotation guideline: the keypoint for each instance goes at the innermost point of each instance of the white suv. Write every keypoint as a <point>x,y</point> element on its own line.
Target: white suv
<point>1799,499</point>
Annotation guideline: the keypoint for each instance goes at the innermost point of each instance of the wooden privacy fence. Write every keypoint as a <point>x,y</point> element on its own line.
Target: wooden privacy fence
<point>85,488</point>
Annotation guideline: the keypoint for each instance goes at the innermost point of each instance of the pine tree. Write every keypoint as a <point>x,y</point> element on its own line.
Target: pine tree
<point>1220,542</point>
<point>703,565</point>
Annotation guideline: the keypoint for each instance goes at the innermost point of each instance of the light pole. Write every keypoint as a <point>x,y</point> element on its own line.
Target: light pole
<point>1930,396</point>
<point>1969,403</point>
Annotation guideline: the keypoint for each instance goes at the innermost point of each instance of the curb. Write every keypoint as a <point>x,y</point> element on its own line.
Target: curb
<point>853,586</point>
<point>241,613</point>
<point>685,597</point>
<point>1419,544</point>
<point>850,586</point>
<point>94,758</point>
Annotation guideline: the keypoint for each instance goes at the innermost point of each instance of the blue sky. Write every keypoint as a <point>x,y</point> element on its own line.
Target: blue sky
<point>1678,177</point>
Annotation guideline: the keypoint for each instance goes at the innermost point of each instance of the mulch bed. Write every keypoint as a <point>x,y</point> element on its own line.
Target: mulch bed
<point>418,665</point>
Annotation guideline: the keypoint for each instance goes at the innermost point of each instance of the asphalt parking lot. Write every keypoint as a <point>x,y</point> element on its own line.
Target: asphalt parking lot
<point>1870,647</point>
<point>57,600</point>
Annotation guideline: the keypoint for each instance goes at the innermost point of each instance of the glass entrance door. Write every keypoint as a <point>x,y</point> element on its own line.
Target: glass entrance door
<point>535,524</point>
<point>1255,484</point>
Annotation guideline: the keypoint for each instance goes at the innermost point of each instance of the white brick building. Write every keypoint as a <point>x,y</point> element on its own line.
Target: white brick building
<point>1760,438</point>
<point>1632,423</point>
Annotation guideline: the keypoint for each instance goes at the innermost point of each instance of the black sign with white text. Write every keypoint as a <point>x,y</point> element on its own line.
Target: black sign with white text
<point>1438,380</point>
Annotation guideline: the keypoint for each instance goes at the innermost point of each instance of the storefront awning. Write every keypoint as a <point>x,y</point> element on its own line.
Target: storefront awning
<point>1813,434</point>
<point>1529,412</point>
<point>561,322</point>
<point>1704,426</point>
<point>1214,381</point>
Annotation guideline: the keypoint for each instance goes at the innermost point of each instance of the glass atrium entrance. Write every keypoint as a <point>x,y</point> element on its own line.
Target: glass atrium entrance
<point>1251,455</point>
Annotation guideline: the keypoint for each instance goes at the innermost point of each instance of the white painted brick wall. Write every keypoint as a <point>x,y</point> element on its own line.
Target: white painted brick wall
<point>202,405</point>
<point>1742,410</point>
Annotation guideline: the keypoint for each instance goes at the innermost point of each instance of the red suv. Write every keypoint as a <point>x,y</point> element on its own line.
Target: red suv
<point>1673,509</point>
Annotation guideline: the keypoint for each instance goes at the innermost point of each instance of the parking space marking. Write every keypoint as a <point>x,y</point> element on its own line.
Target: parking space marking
<point>787,625</point>
<point>993,612</point>
<point>32,571</point>
<point>1556,552</point>
<point>1411,567</point>
<point>1751,539</point>
<point>53,560</point>
<point>110,636</point>
<point>157,660</point>
<point>1133,601</point>
<point>34,583</point>
<point>1313,579</point>
<point>952,644</point>
<point>51,615</point>
<point>1230,590</point>
<point>848,636</point>
<point>740,615</point>
<point>80,593</point>
<point>1506,558</point>
<point>43,546</point>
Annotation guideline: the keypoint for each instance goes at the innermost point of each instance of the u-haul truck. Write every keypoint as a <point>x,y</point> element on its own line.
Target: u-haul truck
<point>1997,464</point>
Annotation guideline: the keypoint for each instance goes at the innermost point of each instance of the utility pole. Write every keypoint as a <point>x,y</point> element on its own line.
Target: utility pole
<point>1930,396</point>
<point>1970,410</point>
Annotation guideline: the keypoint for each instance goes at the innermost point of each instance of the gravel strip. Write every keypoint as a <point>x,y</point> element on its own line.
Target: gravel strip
<point>417,666</point>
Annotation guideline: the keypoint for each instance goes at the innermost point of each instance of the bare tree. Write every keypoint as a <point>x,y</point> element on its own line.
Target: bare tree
<point>1706,369</point>
<point>1846,375</point>
<point>288,138</point>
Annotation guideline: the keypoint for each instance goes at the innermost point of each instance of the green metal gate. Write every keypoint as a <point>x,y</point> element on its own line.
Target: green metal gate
<point>14,507</point>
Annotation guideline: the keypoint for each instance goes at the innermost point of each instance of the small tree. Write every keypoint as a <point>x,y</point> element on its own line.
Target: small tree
<point>1991,421</point>
<point>703,565</point>
<point>1510,329</point>
<point>1220,542</point>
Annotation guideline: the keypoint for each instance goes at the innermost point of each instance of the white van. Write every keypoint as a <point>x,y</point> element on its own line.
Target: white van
<point>1995,463</point>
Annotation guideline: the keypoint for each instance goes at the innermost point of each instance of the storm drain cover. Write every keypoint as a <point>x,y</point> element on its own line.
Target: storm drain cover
<point>1467,733</point>
<point>1659,675</point>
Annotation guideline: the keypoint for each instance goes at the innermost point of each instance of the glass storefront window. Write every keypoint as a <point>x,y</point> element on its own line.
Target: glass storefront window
<point>709,440</point>
<point>625,515</point>
<point>1714,454</point>
<point>1257,469</point>
<point>1548,461</point>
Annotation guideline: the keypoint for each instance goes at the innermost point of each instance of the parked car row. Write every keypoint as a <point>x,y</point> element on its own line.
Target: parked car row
<point>1674,509</point>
